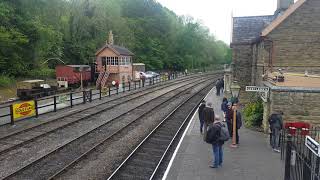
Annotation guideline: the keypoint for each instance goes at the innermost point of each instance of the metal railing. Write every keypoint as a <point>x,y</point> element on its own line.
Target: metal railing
<point>300,162</point>
<point>65,100</point>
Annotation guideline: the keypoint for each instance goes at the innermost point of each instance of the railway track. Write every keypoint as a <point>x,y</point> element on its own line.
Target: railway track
<point>145,159</point>
<point>35,132</point>
<point>135,92</point>
<point>47,164</point>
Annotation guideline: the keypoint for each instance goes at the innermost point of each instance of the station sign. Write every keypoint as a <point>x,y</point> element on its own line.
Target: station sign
<point>257,89</point>
<point>313,145</point>
<point>23,110</point>
<point>263,91</point>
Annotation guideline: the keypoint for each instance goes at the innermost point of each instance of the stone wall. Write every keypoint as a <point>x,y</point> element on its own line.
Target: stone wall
<point>297,104</point>
<point>242,58</point>
<point>296,40</point>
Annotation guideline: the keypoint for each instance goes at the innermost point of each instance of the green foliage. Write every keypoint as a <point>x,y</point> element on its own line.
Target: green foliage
<point>6,81</point>
<point>253,114</point>
<point>42,73</point>
<point>32,31</point>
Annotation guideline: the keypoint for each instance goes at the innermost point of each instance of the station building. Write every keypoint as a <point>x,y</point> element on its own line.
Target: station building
<point>285,44</point>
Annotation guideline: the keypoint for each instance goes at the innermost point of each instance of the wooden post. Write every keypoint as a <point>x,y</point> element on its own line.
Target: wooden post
<point>234,127</point>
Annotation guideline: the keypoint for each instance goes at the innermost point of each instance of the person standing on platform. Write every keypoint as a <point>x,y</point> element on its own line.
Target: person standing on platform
<point>222,85</point>
<point>208,116</point>
<point>224,107</point>
<point>218,87</point>
<point>215,139</point>
<point>201,116</point>
<point>276,124</point>
<point>229,117</point>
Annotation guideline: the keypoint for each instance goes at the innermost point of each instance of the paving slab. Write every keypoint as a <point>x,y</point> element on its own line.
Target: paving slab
<point>252,160</point>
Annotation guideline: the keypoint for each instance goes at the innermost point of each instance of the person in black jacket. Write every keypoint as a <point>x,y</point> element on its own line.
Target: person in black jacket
<point>230,114</point>
<point>201,116</point>
<point>215,133</point>
<point>208,116</point>
<point>276,123</point>
<point>224,107</point>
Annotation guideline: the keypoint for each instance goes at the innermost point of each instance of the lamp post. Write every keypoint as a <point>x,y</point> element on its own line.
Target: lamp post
<point>235,89</point>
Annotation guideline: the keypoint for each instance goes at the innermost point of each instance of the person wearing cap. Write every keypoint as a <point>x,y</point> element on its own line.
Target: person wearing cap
<point>201,116</point>
<point>208,116</point>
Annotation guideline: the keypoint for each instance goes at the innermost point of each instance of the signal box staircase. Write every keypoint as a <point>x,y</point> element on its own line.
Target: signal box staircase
<point>102,80</point>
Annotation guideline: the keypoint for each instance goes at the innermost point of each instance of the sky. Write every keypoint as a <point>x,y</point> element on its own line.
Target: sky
<point>216,14</point>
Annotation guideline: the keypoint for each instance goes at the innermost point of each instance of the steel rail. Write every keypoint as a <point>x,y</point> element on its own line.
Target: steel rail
<point>137,91</point>
<point>95,129</point>
<point>154,131</point>
<point>153,88</point>
<point>110,136</point>
<point>70,123</point>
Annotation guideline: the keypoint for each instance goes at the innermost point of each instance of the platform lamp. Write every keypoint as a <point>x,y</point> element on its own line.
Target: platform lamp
<point>235,89</point>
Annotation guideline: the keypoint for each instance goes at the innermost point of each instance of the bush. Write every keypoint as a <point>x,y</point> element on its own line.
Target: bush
<point>6,81</point>
<point>253,114</point>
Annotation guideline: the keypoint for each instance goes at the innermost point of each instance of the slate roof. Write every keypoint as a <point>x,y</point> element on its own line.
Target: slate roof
<point>248,29</point>
<point>117,49</point>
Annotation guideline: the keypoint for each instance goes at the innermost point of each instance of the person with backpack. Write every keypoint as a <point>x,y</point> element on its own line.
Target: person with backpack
<point>201,116</point>
<point>216,136</point>
<point>208,116</point>
<point>276,124</point>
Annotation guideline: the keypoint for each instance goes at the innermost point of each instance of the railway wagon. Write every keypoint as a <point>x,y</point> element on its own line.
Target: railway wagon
<point>72,74</point>
<point>37,88</point>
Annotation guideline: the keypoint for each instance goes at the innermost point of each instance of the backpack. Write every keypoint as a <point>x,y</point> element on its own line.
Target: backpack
<point>224,133</point>
<point>209,137</point>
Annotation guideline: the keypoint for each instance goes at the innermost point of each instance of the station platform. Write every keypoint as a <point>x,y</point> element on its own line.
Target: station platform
<point>252,160</point>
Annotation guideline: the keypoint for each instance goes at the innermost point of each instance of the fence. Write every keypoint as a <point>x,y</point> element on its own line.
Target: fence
<point>301,163</point>
<point>61,101</point>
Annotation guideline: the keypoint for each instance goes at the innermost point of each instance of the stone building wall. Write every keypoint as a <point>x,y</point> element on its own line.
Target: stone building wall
<point>296,40</point>
<point>297,104</point>
<point>242,58</point>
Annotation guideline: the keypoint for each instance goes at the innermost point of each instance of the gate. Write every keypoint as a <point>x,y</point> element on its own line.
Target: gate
<point>301,157</point>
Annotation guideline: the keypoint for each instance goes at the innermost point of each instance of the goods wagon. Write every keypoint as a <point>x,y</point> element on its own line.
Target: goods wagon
<point>37,88</point>
<point>73,73</point>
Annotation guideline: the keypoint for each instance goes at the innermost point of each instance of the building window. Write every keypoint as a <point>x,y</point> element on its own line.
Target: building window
<point>116,61</point>
<point>108,60</point>
<point>112,61</point>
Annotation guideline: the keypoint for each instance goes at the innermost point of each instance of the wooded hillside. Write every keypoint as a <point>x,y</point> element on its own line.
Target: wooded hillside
<point>32,31</point>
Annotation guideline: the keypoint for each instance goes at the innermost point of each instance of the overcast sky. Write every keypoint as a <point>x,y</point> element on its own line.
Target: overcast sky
<point>216,14</point>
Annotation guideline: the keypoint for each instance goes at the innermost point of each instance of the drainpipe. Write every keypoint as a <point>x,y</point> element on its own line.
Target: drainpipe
<point>271,53</point>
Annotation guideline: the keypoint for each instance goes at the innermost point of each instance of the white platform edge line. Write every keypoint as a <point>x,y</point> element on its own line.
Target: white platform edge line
<point>180,142</point>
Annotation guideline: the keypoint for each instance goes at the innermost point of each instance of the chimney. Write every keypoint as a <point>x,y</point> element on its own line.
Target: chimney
<point>283,5</point>
<point>110,40</point>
